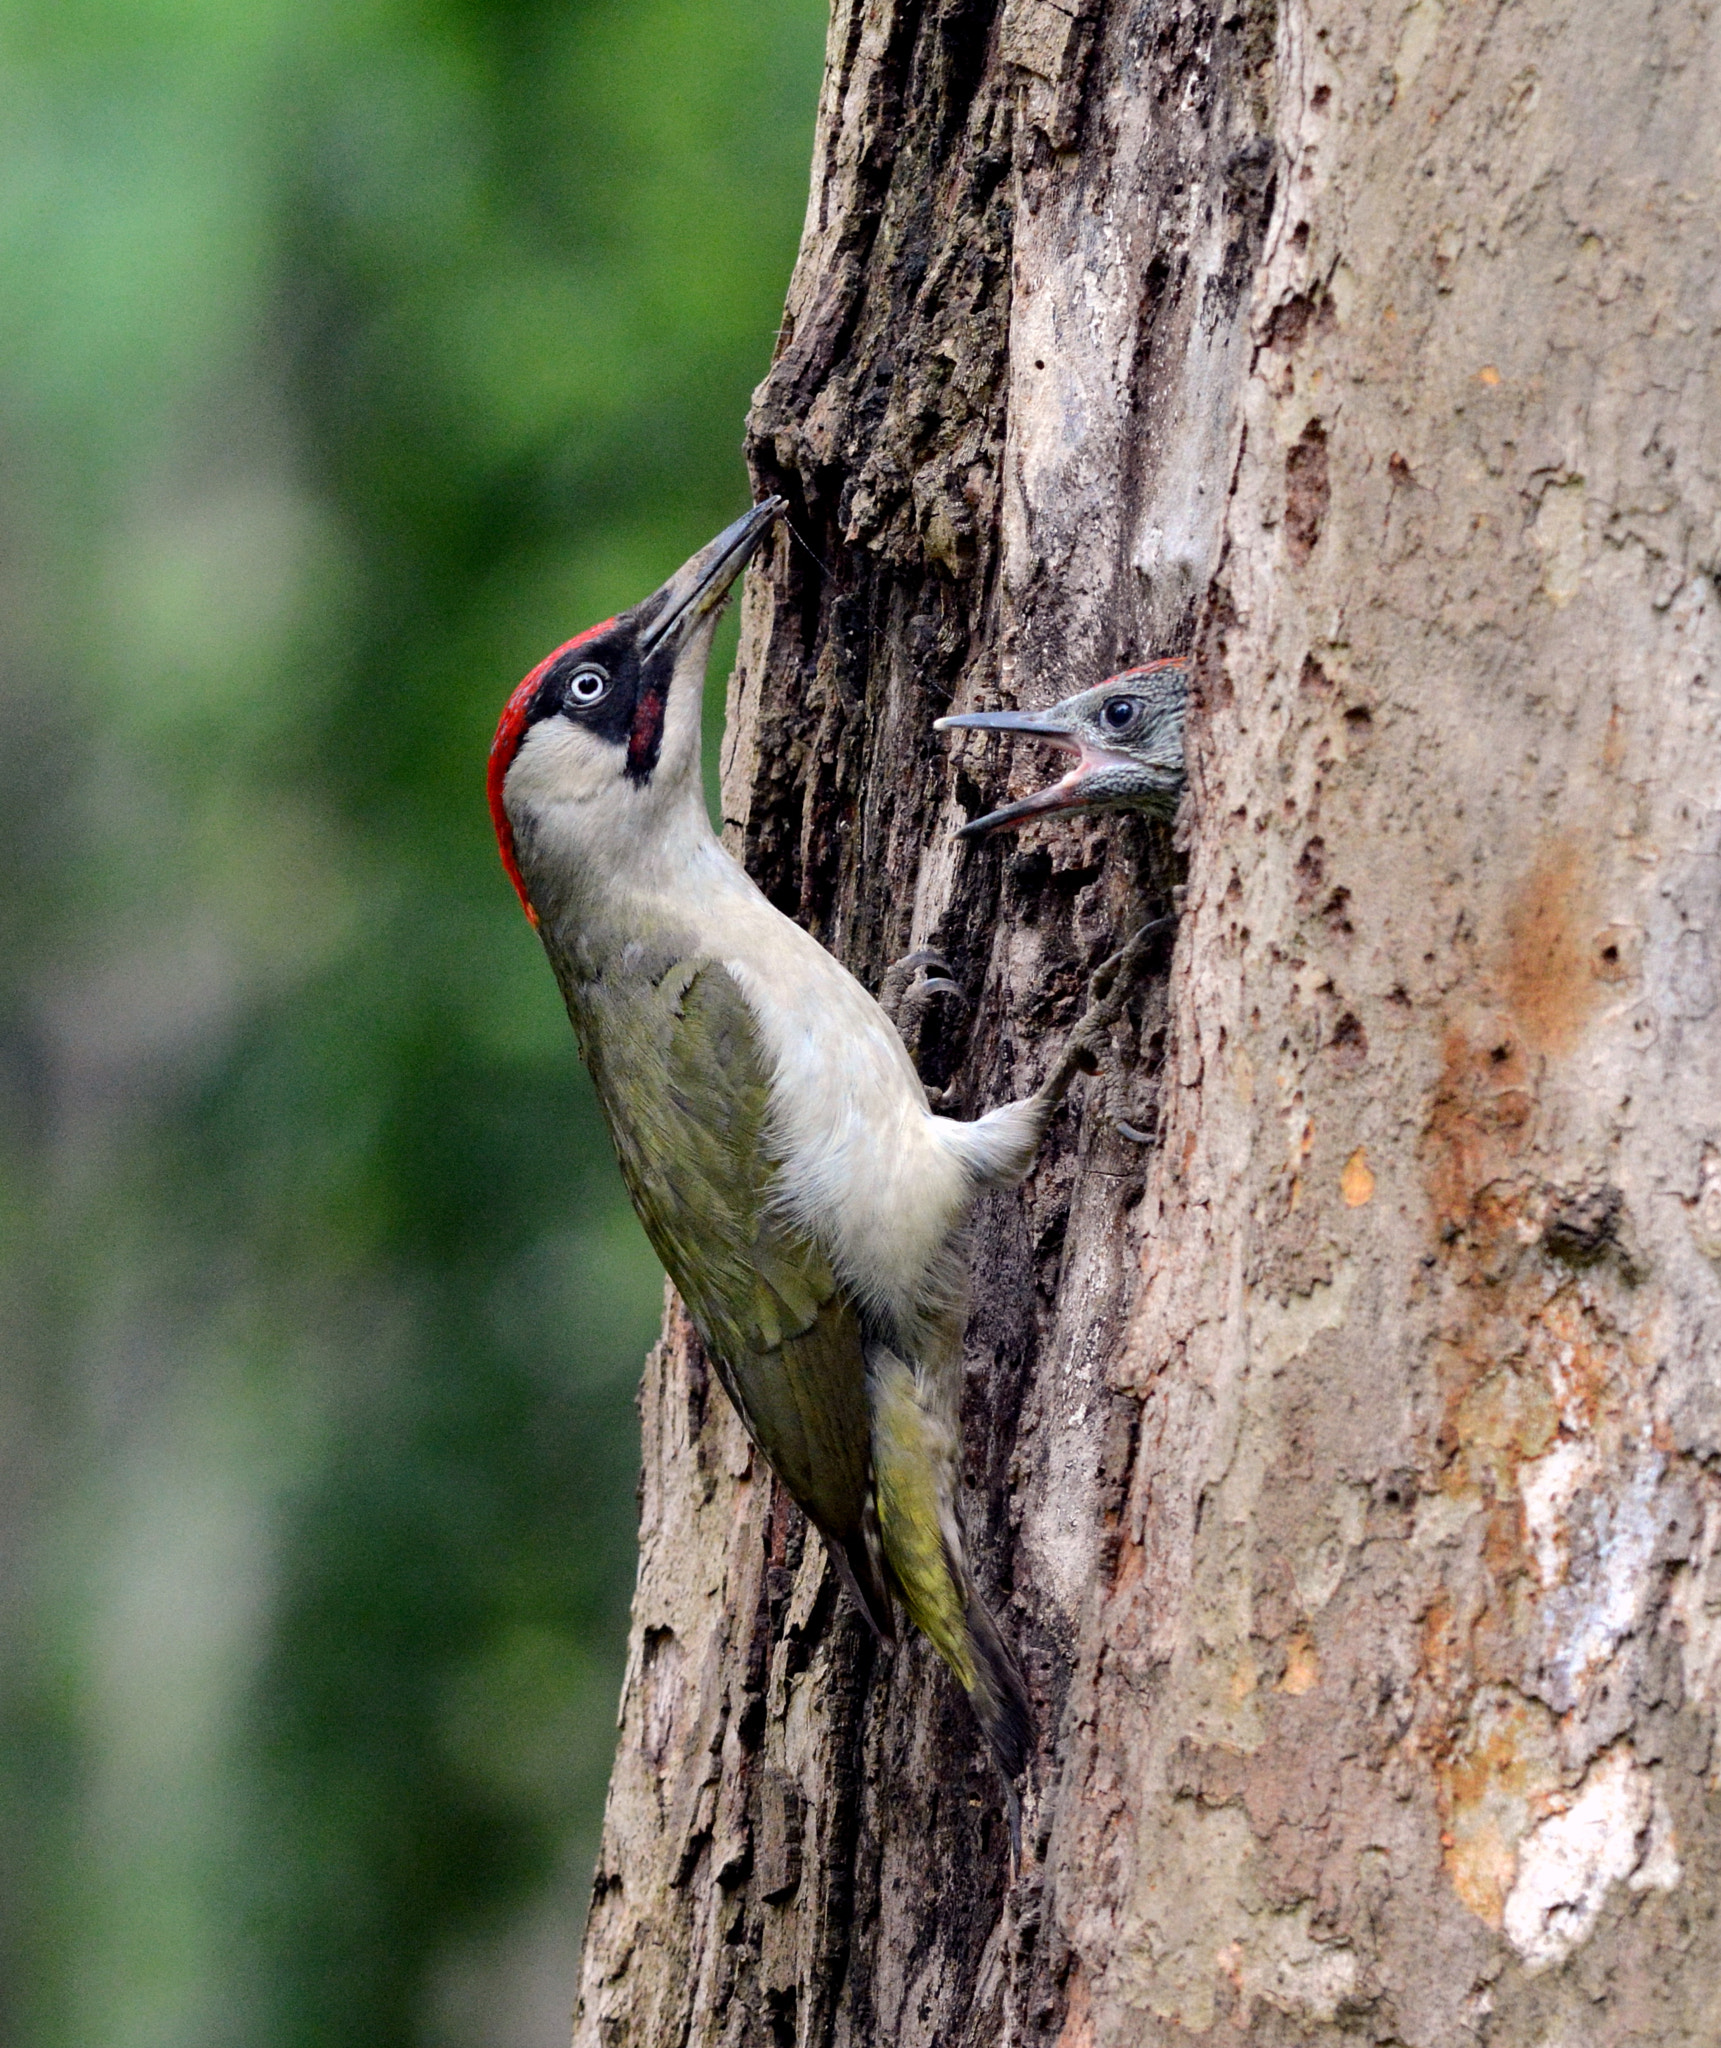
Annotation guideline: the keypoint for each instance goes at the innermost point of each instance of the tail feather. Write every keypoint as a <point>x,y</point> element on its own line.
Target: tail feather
<point>999,1693</point>
<point>861,1567</point>
<point>914,1467</point>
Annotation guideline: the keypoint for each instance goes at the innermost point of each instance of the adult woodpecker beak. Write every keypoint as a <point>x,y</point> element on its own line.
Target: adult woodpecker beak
<point>610,688</point>
<point>1069,793</point>
<point>701,584</point>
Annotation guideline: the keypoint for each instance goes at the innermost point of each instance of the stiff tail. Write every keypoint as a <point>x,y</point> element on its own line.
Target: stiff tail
<point>860,1566</point>
<point>914,1472</point>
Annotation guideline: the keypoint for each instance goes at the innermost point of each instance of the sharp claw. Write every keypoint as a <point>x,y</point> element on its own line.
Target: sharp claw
<point>1105,975</point>
<point>903,998</point>
<point>1106,1003</point>
<point>1130,1132</point>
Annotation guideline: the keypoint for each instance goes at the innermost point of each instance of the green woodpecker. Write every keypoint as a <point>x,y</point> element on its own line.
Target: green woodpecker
<point>1126,734</point>
<point>770,1126</point>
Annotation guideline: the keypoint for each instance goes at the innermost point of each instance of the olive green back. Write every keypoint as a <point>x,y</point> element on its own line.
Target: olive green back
<point>685,1087</point>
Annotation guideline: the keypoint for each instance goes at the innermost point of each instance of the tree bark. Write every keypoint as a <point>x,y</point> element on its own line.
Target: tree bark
<point>1346,1464</point>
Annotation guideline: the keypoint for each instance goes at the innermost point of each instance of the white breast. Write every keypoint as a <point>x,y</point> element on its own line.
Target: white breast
<point>868,1172</point>
<point>867,1168</point>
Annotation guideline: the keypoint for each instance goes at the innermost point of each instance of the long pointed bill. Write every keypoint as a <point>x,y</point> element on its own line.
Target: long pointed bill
<point>701,584</point>
<point>1068,793</point>
<point>1040,725</point>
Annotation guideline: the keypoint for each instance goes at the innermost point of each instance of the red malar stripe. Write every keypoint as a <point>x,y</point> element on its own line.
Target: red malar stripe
<point>646,735</point>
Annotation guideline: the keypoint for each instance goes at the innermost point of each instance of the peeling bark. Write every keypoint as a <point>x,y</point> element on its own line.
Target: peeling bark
<point>1347,1465</point>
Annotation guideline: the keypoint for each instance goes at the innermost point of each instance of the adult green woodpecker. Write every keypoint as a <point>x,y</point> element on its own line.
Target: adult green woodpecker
<point>1127,737</point>
<point>770,1126</point>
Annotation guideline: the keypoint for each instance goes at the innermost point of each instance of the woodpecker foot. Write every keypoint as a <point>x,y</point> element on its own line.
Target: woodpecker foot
<point>1110,989</point>
<point>903,999</point>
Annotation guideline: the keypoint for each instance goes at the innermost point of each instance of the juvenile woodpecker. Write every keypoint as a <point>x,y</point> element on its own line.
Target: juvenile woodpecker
<point>1126,734</point>
<point>770,1126</point>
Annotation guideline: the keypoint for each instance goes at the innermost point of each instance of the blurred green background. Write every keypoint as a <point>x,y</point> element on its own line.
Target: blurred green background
<point>350,357</point>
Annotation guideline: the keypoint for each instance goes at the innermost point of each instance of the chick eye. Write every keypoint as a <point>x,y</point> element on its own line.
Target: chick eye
<point>1120,713</point>
<point>587,685</point>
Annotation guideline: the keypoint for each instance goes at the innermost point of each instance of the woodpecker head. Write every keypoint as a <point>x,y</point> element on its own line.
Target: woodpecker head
<point>1126,735</point>
<point>598,749</point>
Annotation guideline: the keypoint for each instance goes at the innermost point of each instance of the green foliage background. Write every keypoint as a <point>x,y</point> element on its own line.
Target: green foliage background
<point>351,355</point>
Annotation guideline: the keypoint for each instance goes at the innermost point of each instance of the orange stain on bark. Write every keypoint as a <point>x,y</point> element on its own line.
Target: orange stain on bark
<point>1478,1121</point>
<point>1545,968</point>
<point>1493,1791</point>
<point>1302,1668</point>
<point>1356,1182</point>
<point>1524,1354</point>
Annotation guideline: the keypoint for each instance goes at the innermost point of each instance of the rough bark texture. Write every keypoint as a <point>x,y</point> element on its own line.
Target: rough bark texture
<point>1348,1465</point>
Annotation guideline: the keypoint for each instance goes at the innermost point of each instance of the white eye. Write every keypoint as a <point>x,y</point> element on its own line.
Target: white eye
<point>587,685</point>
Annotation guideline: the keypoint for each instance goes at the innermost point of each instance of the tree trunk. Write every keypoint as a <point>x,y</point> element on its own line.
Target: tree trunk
<point>1346,1464</point>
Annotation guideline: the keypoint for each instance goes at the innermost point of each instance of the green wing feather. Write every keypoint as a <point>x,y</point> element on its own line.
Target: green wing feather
<point>686,1090</point>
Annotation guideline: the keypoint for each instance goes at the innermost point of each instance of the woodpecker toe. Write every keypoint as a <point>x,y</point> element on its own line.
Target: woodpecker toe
<point>923,956</point>
<point>1109,990</point>
<point>902,998</point>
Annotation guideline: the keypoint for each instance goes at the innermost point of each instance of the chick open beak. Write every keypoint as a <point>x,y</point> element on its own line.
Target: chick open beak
<point>701,584</point>
<point>1068,793</point>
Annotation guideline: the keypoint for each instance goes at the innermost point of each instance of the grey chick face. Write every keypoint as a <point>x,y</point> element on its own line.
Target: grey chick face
<point>1126,735</point>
